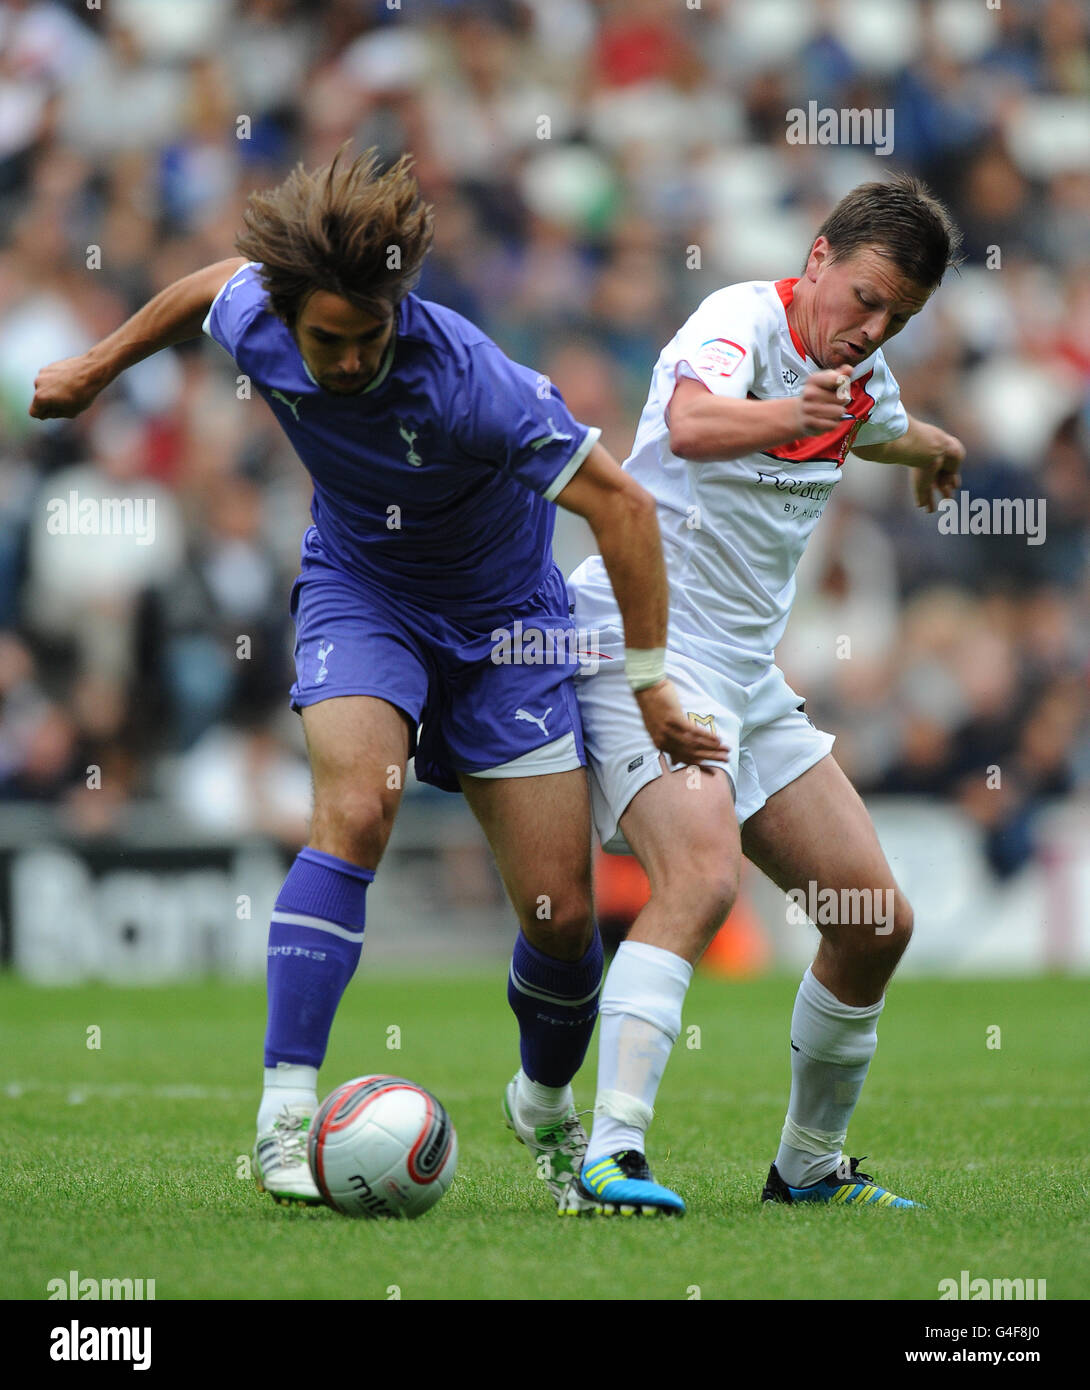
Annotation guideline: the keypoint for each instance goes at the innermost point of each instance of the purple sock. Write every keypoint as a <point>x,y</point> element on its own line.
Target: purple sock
<point>314,947</point>
<point>556,1004</point>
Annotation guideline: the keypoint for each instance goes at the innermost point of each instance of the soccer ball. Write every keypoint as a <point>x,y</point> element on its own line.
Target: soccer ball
<point>382,1146</point>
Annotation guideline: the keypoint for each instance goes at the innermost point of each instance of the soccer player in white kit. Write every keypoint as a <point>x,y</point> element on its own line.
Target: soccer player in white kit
<point>753,408</point>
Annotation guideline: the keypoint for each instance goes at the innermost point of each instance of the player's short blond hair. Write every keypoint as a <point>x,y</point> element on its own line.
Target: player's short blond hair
<point>346,228</point>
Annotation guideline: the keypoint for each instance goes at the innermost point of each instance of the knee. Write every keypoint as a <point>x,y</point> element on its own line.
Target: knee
<point>353,824</point>
<point>880,934</point>
<point>559,924</point>
<point>897,930</point>
<point>702,891</point>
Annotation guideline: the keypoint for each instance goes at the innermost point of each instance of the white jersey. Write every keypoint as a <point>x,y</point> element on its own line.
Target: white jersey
<point>733,532</point>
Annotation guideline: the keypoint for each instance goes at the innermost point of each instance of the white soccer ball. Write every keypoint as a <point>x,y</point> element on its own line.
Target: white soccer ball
<point>382,1146</point>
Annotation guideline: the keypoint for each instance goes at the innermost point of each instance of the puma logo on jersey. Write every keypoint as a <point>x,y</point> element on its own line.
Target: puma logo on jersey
<point>412,457</point>
<point>535,719</point>
<point>324,648</point>
<point>234,284</point>
<point>293,406</point>
<point>556,434</point>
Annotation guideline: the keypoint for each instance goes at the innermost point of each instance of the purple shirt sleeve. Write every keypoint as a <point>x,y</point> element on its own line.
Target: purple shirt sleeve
<point>234,309</point>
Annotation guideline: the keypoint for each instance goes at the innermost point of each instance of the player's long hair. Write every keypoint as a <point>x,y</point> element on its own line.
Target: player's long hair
<point>344,228</point>
<point>901,217</point>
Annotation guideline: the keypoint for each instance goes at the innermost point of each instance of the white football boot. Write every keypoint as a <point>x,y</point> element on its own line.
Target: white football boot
<point>558,1150</point>
<point>280,1158</point>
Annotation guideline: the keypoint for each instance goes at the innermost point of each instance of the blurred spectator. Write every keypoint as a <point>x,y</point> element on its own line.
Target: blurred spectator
<point>240,779</point>
<point>221,621</point>
<point>121,100</point>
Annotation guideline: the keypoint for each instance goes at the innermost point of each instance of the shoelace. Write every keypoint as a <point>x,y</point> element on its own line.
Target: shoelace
<point>565,1130</point>
<point>854,1175</point>
<point>290,1133</point>
<point>634,1166</point>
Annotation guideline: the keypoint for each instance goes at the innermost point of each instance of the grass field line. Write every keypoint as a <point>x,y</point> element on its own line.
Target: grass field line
<point>79,1092</point>
<point>77,1095</point>
<point>1032,1102</point>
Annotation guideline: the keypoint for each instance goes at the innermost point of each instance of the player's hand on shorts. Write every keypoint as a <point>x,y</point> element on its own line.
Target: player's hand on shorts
<point>940,473</point>
<point>674,734</point>
<point>65,388</point>
<point>821,405</point>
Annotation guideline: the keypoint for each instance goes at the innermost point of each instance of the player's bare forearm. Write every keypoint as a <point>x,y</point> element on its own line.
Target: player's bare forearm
<point>935,455</point>
<point>705,427</point>
<point>64,389</point>
<point>631,549</point>
<point>916,447</point>
<point>173,316</point>
<point>622,516</point>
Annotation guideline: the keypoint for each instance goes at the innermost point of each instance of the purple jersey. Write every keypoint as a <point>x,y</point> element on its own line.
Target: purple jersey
<point>436,479</point>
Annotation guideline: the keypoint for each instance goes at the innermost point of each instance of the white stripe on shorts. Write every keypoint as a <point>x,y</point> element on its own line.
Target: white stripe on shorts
<point>558,756</point>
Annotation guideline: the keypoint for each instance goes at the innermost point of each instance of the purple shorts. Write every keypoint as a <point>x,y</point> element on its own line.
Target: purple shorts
<point>483,690</point>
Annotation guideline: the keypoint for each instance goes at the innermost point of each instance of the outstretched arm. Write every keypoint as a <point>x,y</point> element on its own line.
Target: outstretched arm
<point>935,455</point>
<point>622,516</point>
<point>704,426</point>
<point>65,388</point>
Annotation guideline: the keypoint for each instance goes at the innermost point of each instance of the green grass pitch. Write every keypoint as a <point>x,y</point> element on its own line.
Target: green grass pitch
<point>123,1160</point>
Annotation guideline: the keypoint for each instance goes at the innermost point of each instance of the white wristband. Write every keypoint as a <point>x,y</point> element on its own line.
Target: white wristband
<point>644,667</point>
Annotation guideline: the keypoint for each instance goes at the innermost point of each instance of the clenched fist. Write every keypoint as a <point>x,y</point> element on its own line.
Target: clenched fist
<point>821,405</point>
<point>64,389</point>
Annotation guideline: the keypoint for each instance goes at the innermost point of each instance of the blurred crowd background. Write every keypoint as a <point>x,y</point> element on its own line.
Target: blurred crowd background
<point>597,167</point>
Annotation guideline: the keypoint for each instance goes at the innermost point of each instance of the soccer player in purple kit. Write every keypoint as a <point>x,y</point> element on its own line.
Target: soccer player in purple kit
<point>434,460</point>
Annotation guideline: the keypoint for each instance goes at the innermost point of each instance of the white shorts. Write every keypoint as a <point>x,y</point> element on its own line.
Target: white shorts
<point>762,722</point>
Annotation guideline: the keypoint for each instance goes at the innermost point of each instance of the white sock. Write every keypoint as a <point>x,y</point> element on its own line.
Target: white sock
<point>831,1048</point>
<point>640,1016</point>
<point>288,1083</point>
<point>540,1105</point>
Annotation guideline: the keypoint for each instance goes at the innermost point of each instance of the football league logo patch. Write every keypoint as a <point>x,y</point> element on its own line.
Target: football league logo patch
<point>720,357</point>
